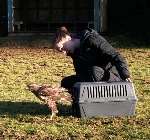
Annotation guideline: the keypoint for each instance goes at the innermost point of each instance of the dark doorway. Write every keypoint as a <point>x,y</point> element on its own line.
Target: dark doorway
<point>129,16</point>
<point>3,18</point>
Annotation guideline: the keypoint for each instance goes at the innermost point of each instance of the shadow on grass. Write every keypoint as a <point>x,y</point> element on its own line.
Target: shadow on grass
<point>30,108</point>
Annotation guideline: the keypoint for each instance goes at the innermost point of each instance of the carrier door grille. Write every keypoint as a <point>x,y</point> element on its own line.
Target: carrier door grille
<point>105,91</point>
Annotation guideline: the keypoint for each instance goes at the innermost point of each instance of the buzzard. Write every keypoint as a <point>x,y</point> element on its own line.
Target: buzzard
<point>50,95</point>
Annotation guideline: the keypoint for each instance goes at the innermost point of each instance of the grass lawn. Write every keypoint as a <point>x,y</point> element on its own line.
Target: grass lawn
<point>24,117</point>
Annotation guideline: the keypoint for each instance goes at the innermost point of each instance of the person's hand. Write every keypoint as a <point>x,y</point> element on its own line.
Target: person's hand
<point>128,80</point>
<point>59,46</point>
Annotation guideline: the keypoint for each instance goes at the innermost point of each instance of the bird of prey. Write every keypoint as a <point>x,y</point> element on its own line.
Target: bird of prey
<point>50,95</point>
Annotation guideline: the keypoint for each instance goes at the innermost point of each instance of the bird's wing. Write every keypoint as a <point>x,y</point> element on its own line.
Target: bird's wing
<point>49,92</point>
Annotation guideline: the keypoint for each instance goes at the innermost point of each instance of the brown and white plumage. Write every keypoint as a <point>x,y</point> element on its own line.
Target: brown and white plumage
<point>50,95</point>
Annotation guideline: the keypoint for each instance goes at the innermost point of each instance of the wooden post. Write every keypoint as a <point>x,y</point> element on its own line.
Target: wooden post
<point>100,15</point>
<point>97,22</point>
<point>103,15</point>
<point>10,15</point>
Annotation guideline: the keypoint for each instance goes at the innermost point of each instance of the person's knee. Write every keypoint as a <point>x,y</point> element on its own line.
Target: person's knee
<point>64,82</point>
<point>69,81</point>
<point>97,73</point>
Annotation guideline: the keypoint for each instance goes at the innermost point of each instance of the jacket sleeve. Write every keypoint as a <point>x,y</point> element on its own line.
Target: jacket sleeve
<point>119,61</point>
<point>109,54</point>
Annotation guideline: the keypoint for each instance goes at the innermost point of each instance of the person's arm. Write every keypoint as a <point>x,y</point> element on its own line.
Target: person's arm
<point>109,54</point>
<point>116,59</point>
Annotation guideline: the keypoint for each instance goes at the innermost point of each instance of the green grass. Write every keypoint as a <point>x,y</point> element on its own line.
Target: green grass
<point>23,116</point>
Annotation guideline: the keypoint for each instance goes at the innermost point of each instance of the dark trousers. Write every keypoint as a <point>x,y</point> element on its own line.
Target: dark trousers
<point>94,74</point>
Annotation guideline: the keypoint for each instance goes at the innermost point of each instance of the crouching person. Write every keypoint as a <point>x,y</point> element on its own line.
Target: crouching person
<point>94,59</point>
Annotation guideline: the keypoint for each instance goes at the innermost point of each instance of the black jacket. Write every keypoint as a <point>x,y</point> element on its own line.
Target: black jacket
<point>96,51</point>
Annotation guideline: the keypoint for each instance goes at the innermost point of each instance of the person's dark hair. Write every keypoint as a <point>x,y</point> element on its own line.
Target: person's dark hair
<point>61,32</point>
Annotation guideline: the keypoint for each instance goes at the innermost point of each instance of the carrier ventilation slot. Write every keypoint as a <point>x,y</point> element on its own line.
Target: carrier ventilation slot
<point>105,91</point>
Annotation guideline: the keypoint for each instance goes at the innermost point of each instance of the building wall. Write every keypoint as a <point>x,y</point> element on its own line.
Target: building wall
<point>45,15</point>
<point>41,14</point>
